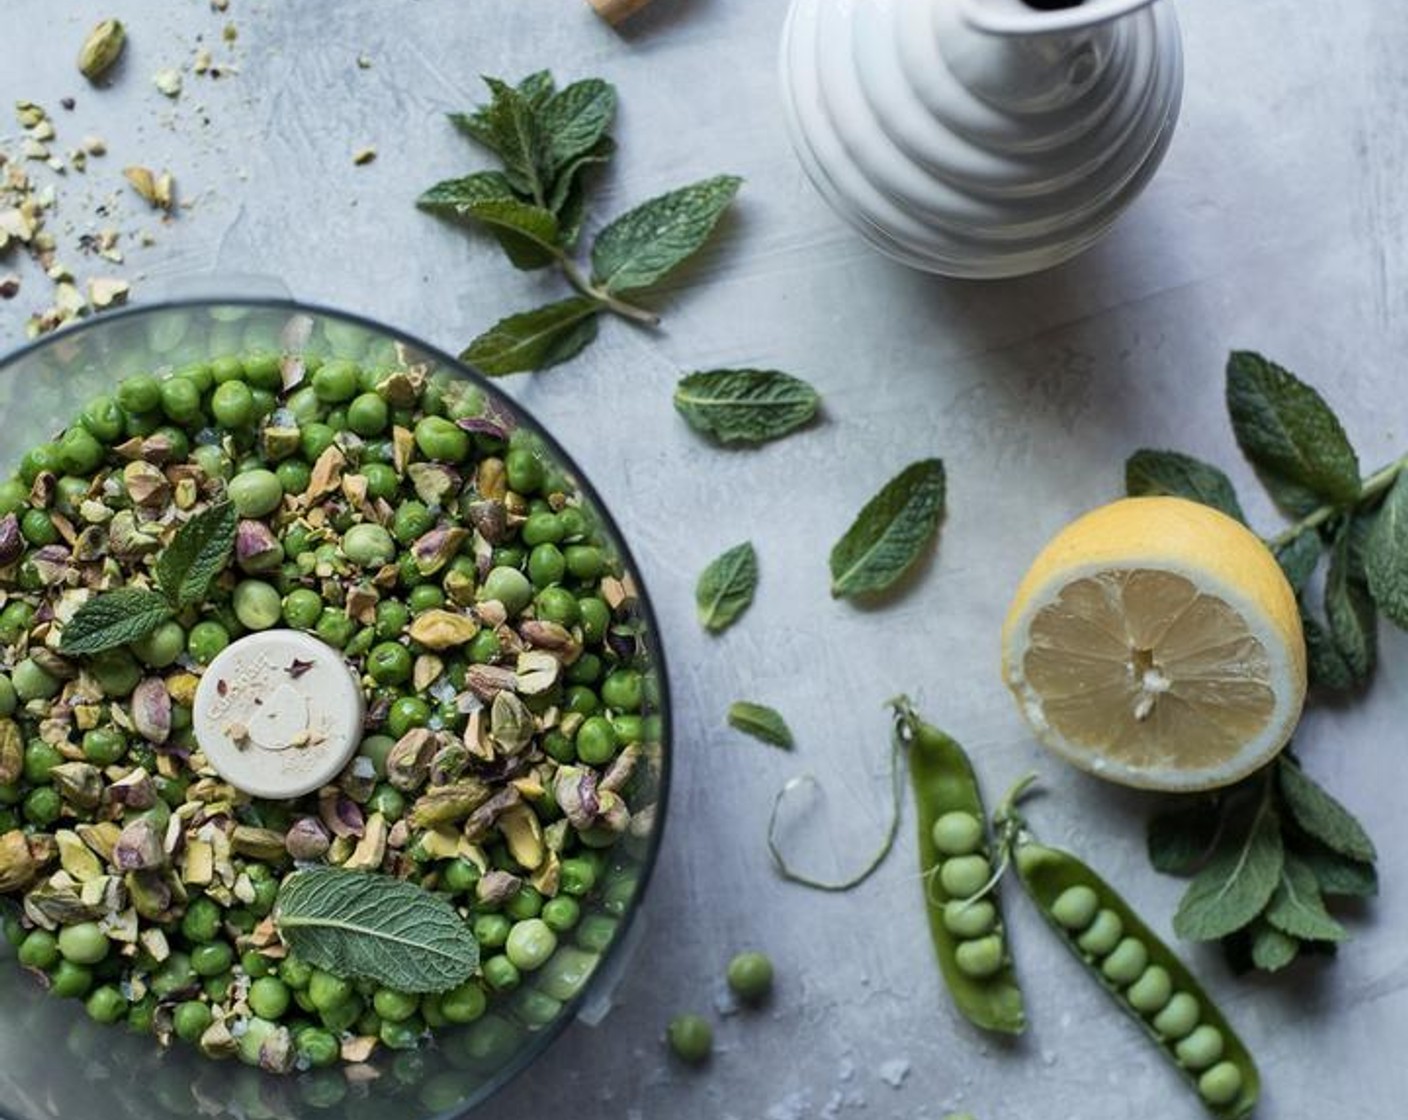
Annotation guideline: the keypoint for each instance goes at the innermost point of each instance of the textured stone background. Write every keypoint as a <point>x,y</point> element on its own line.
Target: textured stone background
<point>1277,223</point>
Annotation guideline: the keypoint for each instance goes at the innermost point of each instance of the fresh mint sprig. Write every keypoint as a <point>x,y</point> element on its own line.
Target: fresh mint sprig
<point>1265,854</point>
<point>547,140</point>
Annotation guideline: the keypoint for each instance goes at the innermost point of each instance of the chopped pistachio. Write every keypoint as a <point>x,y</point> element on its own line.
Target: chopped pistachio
<point>168,82</point>
<point>524,836</point>
<point>258,843</point>
<point>81,783</point>
<point>18,867</point>
<point>371,850</point>
<point>448,804</point>
<point>440,629</point>
<point>11,751</point>
<point>76,857</point>
<point>537,671</point>
<point>101,49</point>
<point>139,848</point>
<point>104,292</point>
<point>363,156</point>
<point>198,863</point>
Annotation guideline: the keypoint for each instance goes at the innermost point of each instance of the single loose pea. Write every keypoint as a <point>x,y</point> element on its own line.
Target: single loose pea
<point>501,974</point>
<point>438,438</point>
<point>1103,935</point>
<point>964,876</point>
<point>967,920</point>
<point>394,1006</point>
<point>957,833</point>
<point>33,683</point>
<point>206,639</point>
<point>302,608</point>
<point>530,944</point>
<point>1151,992</point>
<point>1178,1018</point>
<point>1201,1048</point>
<point>1075,908</point>
<point>319,1047</point>
<point>106,1005</point>
<point>597,741</point>
<point>212,960</point>
<point>508,586</point>
<point>525,472</point>
<point>328,991</point>
<point>83,943</point>
<point>70,980</point>
<point>39,949</point>
<point>1221,1084</point>
<point>981,958</point>
<point>139,393</point>
<point>162,646</point>
<point>191,1020</point>
<point>691,1038</point>
<point>750,976</point>
<point>1126,963</point>
<point>232,404</point>
<point>464,1004</point>
<point>256,493</point>
<point>336,381</point>
<point>269,997</point>
<point>368,415</point>
<point>561,913</point>
<point>368,545</point>
<point>257,604</point>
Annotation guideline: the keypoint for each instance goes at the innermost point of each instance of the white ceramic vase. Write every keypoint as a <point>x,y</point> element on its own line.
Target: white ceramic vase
<point>981,138</point>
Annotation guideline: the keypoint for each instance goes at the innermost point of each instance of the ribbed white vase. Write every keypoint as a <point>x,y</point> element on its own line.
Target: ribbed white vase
<point>981,138</point>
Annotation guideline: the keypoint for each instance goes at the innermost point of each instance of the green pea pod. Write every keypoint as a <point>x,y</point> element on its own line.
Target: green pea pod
<point>943,782</point>
<point>1047,874</point>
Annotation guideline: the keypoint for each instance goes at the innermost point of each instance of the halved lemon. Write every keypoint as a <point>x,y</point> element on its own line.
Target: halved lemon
<point>1155,642</point>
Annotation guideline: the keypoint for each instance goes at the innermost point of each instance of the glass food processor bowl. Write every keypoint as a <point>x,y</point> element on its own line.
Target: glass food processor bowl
<point>55,1061</point>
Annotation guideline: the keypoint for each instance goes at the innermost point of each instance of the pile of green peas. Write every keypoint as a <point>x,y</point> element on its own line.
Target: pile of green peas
<point>226,430</point>
<point>964,871</point>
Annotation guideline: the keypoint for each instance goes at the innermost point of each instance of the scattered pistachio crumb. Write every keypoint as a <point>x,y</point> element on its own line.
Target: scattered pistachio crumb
<point>203,61</point>
<point>95,145</point>
<point>106,291</point>
<point>168,82</point>
<point>230,33</point>
<point>364,62</point>
<point>156,189</point>
<point>102,49</point>
<point>363,156</point>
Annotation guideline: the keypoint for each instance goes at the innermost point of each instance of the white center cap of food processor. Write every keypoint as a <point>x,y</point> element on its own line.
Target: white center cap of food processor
<point>278,713</point>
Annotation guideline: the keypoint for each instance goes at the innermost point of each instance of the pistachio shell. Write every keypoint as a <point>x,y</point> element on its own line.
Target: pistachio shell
<point>523,835</point>
<point>442,805</point>
<point>441,629</point>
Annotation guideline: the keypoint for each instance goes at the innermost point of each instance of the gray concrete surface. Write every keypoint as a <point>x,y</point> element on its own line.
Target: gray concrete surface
<point>1277,223</point>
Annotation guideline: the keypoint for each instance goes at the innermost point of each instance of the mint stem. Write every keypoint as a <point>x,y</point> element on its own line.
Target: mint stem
<point>578,280</point>
<point>1371,488</point>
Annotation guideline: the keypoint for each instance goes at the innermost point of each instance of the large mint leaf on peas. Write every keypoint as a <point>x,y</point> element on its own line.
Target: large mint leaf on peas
<point>574,120</point>
<point>1171,473</point>
<point>529,234</point>
<point>114,619</point>
<point>363,926</point>
<point>1386,554</point>
<point>197,554</point>
<point>643,245</point>
<point>1290,435</point>
<point>891,532</point>
<point>536,339</point>
<point>1238,882</point>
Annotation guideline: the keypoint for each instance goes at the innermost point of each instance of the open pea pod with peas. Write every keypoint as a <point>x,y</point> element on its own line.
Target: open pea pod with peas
<point>1141,974</point>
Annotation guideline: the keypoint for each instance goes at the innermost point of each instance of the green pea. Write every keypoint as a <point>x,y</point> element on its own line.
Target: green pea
<point>212,960</point>
<point>116,672</point>
<point>544,527</point>
<point>318,1047</point>
<point>957,833</point>
<point>394,1006</point>
<point>1200,1049</point>
<point>392,618</point>
<point>40,758</point>
<point>232,405</point>
<point>557,604</point>
<point>257,604</point>
<point>106,1004</point>
<point>595,617</point>
<point>407,712</point>
<point>1103,935</point>
<point>530,944</point>
<point>342,1016</point>
<point>296,973</point>
<point>191,1019</point>
<point>315,438</point>
<point>426,597</point>
<point>294,475</point>
<point>39,949</point>
<point>70,980</point>
<point>33,683</point>
<point>507,586</point>
<point>80,452</point>
<point>484,647</point>
<point>524,471</point>
<point>83,943</point>
<point>368,545</point>
<point>1221,1084</point>
<point>15,619</point>
<point>335,628</point>
<point>1151,992</point>
<point>980,958</point>
<point>256,493</point>
<point>180,400</point>
<point>967,920</point>
<point>1178,1018</point>
<point>501,974</point>
<point>139,393</point>
<point>368,415</point>
<point>269,997</point>
<point>336,381</point>
<point>206,640</point>
<point>162,646</point>
<point>464,1004</point>
<point>14,496</point>
<point>546,565</point>
<point>596,932</point>
<point>328,991</point>
<point>750,976</point>
<point>43,806</point>
<point>624,690</point>
<point>1126,963</point>
<point>302,607</point>
<point>255,965</point>
<point>1075,908</point>
<point>576,876</point>
<point>492,930</point>
<point>691,1038</point>
<point>38,528</point>
<point>597,741</point>
<point>103,746</point>
<point>103,418</point>
<point>964,876</point>
<point>525,903</point>
<point>201,922</point>
<point>562,913</point>
<point>438,438</point>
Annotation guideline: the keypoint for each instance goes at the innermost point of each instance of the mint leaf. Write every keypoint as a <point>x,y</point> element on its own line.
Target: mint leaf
<point>1290,435</point>
<point>453,198</point>
<point>745,405</point>
<point>1327,666</point>
<point>535,339</point>
<point>1181,840</point>
<point>1297,909</point>
<point>565,186</point>
<point>891,532</point>
<point>476,126</point>
<point>518,140</point>
<point>528,234</point>
<point>1320,815</point>
<point>574,120</point>
<point>197,554</point>
<point>642,246</point>
<point>1349,610</point>
<point>1272,950</point>
<point>537,88</point>
<point>1148,472</point>
<point>1386,554</point>
<point>726,586</point>
<point>1340,875</point>
<point>113,619</point>
<point>761,722</point>
<point>359,925</point>
<point>1299,558</point>
<point>1237,882</point>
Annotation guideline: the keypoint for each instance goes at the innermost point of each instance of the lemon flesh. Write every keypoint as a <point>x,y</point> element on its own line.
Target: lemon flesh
<point>1155,642</point>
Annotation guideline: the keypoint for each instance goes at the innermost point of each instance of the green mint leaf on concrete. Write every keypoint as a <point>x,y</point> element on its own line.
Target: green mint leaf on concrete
<point>1237,882</point>
<point>528,234</point>
<point>535,339</point>
<point>1339,875</point>
<point>362,926</point>
<point>575,120</point>
<point>891,533</point>
<point>642,246</point>
<point>1171,473</point>
<point>476,126</point>
<point>726,586</point>
<point>114,619</point>
<point>197,554</point>
<point>568,181</point>
<point>519,140</point>
<point>537,88</point>
<point>1386,554</point>
<point>1299,558</point>
<point>1327,666</point>
<point>761,722</point>
<point>1353,621</point>
<point>1290,435</point>
<point>1181,840</point>
<point>745,405</point>
<point>1320,815</point>
<point>1297,909</point>
<point>1272,950</point>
